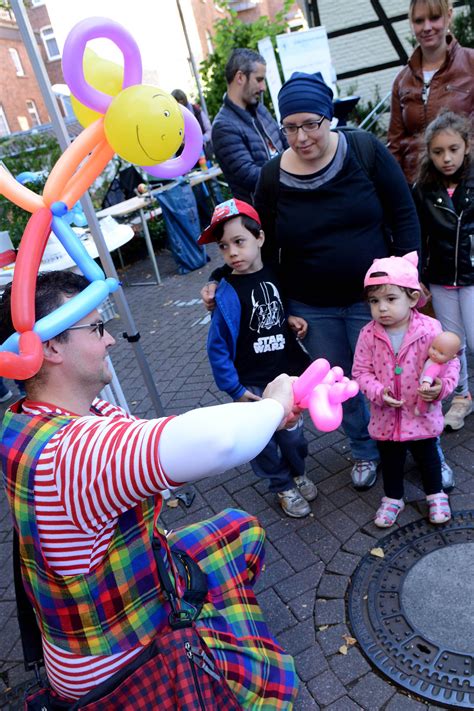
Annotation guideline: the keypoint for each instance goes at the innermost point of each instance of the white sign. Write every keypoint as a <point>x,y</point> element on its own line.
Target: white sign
<point>273,78</point>
<point>306,51</point>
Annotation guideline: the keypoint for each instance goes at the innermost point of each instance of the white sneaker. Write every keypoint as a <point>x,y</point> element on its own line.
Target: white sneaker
<point>293,504</point>
<point>364,474</point>
<point>460,408</point>
<point>306,487</point>
<point>7,396</point>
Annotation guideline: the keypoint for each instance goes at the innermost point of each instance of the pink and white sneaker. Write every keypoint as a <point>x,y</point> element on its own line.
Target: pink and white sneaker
<point>388,511</point>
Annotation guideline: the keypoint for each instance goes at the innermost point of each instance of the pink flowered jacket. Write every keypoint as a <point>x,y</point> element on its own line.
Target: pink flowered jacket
<point>376,367</point>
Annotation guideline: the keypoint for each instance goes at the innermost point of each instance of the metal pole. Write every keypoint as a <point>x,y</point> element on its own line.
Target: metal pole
<point>62,135</point>
<point>191,57</point>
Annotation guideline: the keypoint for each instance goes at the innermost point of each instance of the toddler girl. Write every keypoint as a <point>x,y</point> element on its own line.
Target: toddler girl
<point>444,195</point>
<point>389,358</point>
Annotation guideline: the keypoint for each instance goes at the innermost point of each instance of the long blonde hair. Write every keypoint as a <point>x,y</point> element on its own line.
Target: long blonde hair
<point>435,7</point>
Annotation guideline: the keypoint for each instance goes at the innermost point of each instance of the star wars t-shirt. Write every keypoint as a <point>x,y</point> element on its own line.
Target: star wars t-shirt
<point>266,346</point>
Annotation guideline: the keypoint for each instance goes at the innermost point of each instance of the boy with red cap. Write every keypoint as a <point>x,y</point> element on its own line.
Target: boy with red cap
<point>390,356</point>
<point>250,341</point>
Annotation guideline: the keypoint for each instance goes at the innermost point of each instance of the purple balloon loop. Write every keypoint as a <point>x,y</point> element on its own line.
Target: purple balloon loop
<point>175,167</point>
<point>74,47</point>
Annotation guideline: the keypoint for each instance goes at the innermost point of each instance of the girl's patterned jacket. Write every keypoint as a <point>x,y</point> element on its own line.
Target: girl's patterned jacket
<point>376,367</point>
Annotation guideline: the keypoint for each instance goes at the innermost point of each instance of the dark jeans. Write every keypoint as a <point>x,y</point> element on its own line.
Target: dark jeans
<point>426,455</point>
<point>284,456</point>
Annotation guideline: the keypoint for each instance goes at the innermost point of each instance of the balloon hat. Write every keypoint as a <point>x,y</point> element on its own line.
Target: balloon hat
<point>141,123</point>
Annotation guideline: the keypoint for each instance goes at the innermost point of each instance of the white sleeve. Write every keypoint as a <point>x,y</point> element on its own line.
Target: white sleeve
<point>212,440</point>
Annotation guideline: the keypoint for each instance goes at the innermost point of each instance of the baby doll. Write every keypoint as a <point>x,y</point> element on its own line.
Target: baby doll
<point>443,348</point>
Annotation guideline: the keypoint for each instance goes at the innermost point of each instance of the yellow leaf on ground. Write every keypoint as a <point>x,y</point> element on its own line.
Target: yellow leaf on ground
<point>323,627</point>
<point>378,552</point>
<point>172,502</point>
<point>343,649</point>
<point>349,640</point>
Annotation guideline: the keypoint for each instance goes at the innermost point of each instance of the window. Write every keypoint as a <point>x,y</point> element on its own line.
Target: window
<point>33,111</point>
<point>210,46</point>
<point>15,57</point>
<point>4,127</point>
<point>50,44</point>
<point>67,106</point>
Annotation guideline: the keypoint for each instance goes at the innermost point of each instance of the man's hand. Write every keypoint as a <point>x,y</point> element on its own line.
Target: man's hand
<point>432,392</point>
<point>248,397</point>
<point>390,400</point>
<point>208,295</point>
<point>298,325</point>
<point>281,390</point>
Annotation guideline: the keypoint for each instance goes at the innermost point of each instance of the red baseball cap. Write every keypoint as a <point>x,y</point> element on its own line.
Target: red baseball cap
<point>224,212</point>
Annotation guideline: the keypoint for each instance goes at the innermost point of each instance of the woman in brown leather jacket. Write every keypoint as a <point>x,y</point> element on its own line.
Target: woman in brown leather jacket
<point>439,75</point>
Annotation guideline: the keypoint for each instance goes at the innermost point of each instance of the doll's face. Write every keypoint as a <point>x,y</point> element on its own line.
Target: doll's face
<point>444,348</point>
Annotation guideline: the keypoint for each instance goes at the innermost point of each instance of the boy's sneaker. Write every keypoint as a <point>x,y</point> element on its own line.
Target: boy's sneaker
<point>447,477</point>
<point>7,396</point>
<point>461,407</point>
<point>293,504</point>
<point>364,474</point>
<point>306,487</point>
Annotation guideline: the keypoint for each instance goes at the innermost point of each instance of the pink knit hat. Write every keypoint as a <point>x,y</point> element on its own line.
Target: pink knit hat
<point>399,271</point>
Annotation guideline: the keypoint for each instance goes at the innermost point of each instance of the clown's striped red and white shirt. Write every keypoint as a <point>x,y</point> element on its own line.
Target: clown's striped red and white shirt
<point>89,473</point>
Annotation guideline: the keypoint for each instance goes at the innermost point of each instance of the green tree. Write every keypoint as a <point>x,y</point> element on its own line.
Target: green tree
<point>463,26</point>
<point>230,34</point>
<point>35,152</point>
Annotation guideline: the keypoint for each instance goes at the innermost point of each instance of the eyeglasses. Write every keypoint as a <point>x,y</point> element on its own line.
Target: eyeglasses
<point>97,327</point>
<point>307,126</point>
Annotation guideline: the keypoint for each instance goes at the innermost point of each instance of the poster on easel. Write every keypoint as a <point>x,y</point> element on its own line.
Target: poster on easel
<point>307,51</point>
<point>273,78</point>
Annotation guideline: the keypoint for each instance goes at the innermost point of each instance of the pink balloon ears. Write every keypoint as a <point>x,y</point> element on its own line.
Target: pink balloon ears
<point>322,390</point>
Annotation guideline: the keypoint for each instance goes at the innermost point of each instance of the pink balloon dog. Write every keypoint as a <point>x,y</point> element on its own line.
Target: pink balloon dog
<point>322,390</point>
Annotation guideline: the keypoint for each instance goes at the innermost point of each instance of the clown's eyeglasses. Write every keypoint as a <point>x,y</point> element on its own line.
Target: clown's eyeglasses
<point>97,327</point>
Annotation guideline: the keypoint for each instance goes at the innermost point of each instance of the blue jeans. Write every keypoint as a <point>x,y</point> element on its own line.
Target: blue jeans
<point>332,334</point>
<point>284,456</point>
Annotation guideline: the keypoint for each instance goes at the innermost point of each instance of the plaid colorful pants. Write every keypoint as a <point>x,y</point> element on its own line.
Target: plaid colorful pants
<point>229,548</point>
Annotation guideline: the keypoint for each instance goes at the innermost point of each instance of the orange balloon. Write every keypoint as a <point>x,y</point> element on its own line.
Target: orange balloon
<point>70,160</point>
<point>18,193</point>
<point>87,173</point>
<point>29,360</point>
<point>27,265</point>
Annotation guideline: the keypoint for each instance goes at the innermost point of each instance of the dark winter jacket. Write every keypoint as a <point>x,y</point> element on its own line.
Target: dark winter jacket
<point>326,238</point>
<point>447,228</point>
<point>240,147</point>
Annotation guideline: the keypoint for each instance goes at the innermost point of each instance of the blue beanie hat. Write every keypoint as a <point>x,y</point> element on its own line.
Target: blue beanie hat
<point>305,93</point>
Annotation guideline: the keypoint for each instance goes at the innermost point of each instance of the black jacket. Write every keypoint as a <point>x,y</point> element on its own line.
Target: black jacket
<point>326,238</point>
<point>447,227</point>
<point>240,147</point>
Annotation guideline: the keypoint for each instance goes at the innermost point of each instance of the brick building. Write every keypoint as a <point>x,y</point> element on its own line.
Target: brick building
<point>21,104</point>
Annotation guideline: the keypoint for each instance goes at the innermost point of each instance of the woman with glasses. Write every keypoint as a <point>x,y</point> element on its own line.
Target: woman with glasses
<point>330,204</point>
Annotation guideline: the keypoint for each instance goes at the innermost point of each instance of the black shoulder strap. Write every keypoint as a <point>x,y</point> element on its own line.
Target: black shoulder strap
<point>270,177</point>
<point>29,630</point>
<point>363,145</point>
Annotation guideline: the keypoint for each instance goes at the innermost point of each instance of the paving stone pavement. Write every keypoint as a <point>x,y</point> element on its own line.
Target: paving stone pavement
<point>309,562</point>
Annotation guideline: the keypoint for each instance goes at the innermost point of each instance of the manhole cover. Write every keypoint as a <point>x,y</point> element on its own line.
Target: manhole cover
<point>412,611</point>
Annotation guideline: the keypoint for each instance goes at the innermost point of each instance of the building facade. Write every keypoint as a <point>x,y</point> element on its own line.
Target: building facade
<point>21,103</point>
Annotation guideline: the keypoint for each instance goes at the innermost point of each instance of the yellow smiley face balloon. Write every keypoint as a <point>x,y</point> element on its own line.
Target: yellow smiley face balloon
<point>144,125</point>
